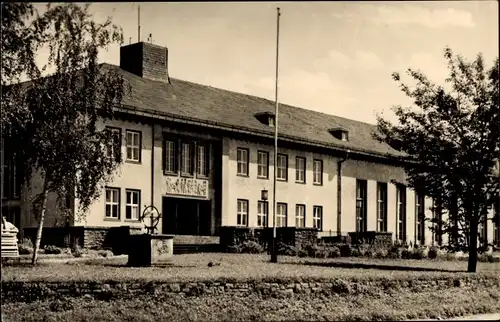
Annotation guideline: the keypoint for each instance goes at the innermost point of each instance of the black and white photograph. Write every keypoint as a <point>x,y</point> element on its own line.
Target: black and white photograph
<point>250,161</point>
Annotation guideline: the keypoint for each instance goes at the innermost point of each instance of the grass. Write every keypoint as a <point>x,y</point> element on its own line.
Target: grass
<point>400,306</point>
<point>239,267</point>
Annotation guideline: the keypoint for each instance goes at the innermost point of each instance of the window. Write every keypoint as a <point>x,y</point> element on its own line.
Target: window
<point>483,230</point>
<point>401,212</point>
<point>496,224</point>
<point>242,160</point>
<point>420,220</point>
<point>381,206</point>
<point>263,164</point>
<point>318,217</point>
<point>202,160</point>
<point>262,213</point>
<point>16,181</point>
<point>113,203</point>
<point>5,171</point>
<point>242,215</point>
<point>282,167</point>
<point>437,213</point>
<point>318,172</point>
<point>187,159</point>
<point>361,221</point>
<point>170,156</point>
<point>300,170</point>
<point>281,215</point>
<point>300,216</point>
<point>133,146</point>
<point>133,204</point>
<point>113,149</point>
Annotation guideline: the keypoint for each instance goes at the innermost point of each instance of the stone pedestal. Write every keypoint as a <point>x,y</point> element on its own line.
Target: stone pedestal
<point>148,250</point>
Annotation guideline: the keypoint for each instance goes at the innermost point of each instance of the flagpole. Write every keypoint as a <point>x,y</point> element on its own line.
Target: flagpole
<point>274,251</point>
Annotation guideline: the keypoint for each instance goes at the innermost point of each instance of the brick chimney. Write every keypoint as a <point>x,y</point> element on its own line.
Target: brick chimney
<point>145,60</point>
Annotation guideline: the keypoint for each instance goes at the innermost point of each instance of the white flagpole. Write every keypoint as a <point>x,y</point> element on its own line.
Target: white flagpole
<point>274,251</point>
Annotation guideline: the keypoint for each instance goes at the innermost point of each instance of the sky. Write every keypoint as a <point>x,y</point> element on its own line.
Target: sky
<point>335,57</point>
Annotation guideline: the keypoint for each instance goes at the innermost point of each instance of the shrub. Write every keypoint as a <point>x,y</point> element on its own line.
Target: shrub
<point>247,247</point>
<point>406,254</point>
<point>488,258</point>
<point>346,250</point>
<point>433,252</point>
<point>419,253</point>
<point>381,253</point>
<point>395,252</point>
<point>334,252</point>
<point>76,251</point>
<point>25,246</point>
<point>287,250</point>
<point>51,249</point>
<point>447,256</point>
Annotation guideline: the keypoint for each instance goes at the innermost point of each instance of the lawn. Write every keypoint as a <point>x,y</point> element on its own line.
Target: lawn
<point>239,267</point>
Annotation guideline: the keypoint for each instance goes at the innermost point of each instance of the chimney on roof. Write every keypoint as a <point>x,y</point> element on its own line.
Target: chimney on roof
<point>145,60</point>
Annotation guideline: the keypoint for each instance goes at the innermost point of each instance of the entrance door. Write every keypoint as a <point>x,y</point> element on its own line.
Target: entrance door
<point>183,216</point>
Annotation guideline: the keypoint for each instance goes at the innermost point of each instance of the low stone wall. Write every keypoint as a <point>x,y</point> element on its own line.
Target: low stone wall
<point>371,238</point>
<point>14,291</point>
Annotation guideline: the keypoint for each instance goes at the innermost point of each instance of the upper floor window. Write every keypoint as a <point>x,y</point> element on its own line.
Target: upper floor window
<point>242,214</point>
<point>263,164</point>
<point>282,167</point>
<point>242,161</point>
<point>133,204</point>
<point>300,170</point>
<point>318,217</point>
<point>170,156</point>
<point>281,215</point>
<point>112,203</point>
<point>187,159</point>
<point>381,206</point>
<point>133,146</point>
<point>300,216</point>
<point>401,212</point>
<point>113,148</point>
<point>318,172</point>
<point>202,160</point>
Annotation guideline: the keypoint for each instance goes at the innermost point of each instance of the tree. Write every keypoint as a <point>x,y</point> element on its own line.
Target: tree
<point>450,138</point>
<point>54,121</point>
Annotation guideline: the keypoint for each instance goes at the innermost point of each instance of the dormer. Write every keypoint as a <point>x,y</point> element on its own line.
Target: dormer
<point>266,118</point>
<point>340,133</point>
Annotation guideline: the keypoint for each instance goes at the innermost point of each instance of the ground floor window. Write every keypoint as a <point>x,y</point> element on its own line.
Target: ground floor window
<point>281,215</point>
<point>132,206</point>
<point>318,217</point>
<point>112,203</point>
<point>300,216</point>
<point>262,214</point>
<point>496,224</point>
<point>420,220</point>
<point>242,215</point>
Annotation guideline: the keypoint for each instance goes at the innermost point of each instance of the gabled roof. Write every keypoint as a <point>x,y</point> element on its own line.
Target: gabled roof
<point>187,100</point>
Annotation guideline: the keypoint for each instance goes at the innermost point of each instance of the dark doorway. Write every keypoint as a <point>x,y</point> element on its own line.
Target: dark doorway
<point>182,216</point>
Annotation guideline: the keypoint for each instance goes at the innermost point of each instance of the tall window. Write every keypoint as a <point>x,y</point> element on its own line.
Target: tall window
<point>420,220</point>
<point>133,204</point>
<point>242,215</point>
<point>112,208</point>
<point>300,216</point>
<point>282,168</point>
<point>401,209</point>
<point>437,214</point>
<point>133,146</point>
<point>263,164</point>
<point>170,157</point>
<point>300,170</point>
<point>262,214</point>
<point>361,221</point>
<point>242,161</point>
<point>187,159</point>
<point>202,160</point>
<point>381,206</point>
<point>318,217</point>
<point>496,224</point>
<point>281,215</point>
<point>113,148</point>
<point>5,171</point>
<point>318,172</point>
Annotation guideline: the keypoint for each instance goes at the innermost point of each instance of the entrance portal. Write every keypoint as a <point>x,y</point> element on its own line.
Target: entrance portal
<point>182,216</point>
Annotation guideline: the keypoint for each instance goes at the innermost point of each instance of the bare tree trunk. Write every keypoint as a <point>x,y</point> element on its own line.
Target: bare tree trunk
<point>472,264</point>
<point>45,193</point>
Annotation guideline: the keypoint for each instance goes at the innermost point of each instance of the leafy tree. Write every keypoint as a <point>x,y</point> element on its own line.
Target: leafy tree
<point>451,141</point>
<point>54,122</point>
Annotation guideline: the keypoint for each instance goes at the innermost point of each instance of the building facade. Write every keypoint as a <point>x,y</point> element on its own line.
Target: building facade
<point>202,156</point>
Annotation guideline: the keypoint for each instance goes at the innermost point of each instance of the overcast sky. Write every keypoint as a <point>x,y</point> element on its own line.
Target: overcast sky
<point>335,57</point>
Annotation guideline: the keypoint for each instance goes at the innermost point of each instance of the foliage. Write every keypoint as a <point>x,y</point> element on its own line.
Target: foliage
<point>77,251</point>
<point>449,141</point>
<point>247,247</point>
<point>433,253</point>
<point>25,246</point>
<point>52,250</point>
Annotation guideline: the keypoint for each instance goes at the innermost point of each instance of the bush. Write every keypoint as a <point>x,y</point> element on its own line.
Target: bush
<point>488,258</point>
<point>433,252</point>
<point>406,254</point>
<point>346,250</point>
<point>395,252</point>
<point>334,252</point>
<point>247,247</point>
<point>447,256</point>
<point>76,251</point>
<point>419,253</point>
<point>25,247</point>
<point>287,250</point>
<point>54,250</point>
<point>381,253</point>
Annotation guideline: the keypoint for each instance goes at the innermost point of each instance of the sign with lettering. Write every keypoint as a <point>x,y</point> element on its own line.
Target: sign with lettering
<point>187,187</point>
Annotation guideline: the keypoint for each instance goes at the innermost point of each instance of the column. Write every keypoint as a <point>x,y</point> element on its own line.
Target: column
<point>371,204</point>
<point>391,210</point>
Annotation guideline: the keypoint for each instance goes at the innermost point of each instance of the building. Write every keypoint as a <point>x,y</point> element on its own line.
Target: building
<point>202,155</point>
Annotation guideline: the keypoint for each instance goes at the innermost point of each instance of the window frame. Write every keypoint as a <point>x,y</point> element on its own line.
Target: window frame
<point>241,214</point>
<point>401,198</point>
<point>279,216</point>
<point>112,203</point>
<point>315,163</point>
<point>361,205</point>
<point>280,167</point>
<point>262,166</point>
<point>317,217</point>
<point>138,192</point>
<point>205,161</point>
<point>301,218</point>
<point>139,147</point>
<point>174,158</point>
<point>263,217</point>
<point>118,132</point>
<point>245,164</point>
<point>191,154</point>
<point>420,218</point>
<point>382,206</point>
<point>303,170</point>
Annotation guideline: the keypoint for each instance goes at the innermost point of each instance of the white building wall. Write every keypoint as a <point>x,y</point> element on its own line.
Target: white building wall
<point>371,205</point>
